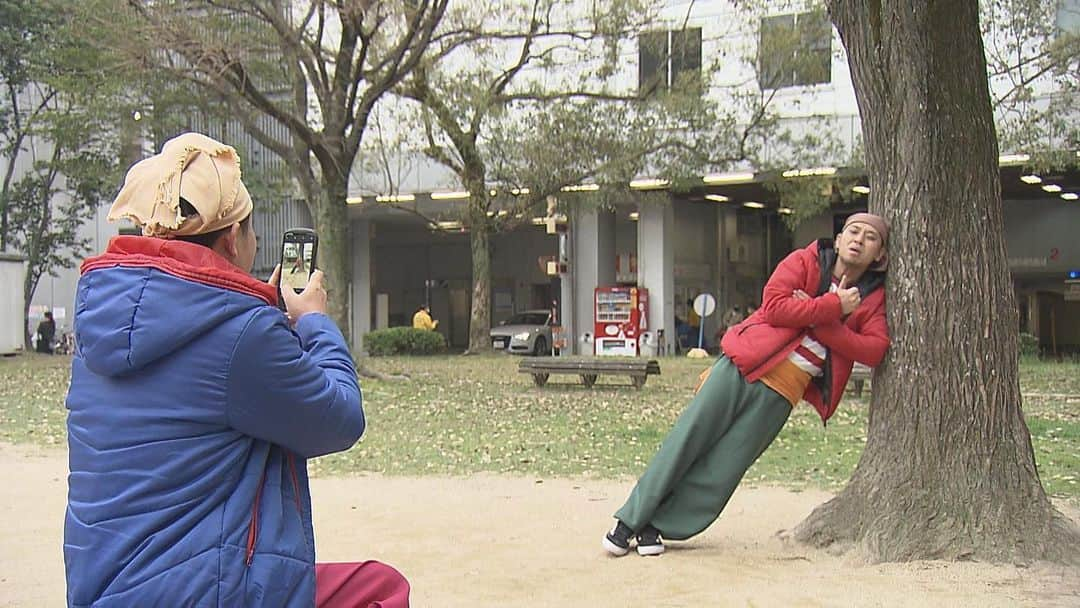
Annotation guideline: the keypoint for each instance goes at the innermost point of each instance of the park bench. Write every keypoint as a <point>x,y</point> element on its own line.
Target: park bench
<point>589,368</point>
<point>859,375</point>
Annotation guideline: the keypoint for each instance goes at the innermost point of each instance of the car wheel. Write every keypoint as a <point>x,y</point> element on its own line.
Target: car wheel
<point>540,347</point>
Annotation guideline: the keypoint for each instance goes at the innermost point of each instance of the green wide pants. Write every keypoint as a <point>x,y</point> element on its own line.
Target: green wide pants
<point>728,424</point>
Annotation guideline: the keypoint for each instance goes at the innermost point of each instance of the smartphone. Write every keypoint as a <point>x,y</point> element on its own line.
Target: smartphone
<point>299,250</point>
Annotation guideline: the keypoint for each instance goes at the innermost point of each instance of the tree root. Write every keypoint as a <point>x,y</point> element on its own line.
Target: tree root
<point>914,531</point>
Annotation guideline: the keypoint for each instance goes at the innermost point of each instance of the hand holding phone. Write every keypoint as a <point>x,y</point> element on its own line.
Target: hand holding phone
<point>296,305</point>
<point>299,249</point>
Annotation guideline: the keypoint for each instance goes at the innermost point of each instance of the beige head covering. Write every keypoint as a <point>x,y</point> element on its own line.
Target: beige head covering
<point>203,171</point>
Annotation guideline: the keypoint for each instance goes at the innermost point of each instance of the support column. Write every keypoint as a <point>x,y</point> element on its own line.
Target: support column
<point>360,293</point>
<point>726,238</point>
<point>592,263</point>
<point>656,267</point>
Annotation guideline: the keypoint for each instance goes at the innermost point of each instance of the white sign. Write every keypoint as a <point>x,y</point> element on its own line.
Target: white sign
<point>704,305</point>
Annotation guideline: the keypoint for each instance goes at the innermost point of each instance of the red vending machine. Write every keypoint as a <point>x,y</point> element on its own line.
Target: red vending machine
<point>622,315</point>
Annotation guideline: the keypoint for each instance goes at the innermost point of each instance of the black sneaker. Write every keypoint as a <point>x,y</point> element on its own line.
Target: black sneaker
<point>649,541</point>
<point>617,542</point>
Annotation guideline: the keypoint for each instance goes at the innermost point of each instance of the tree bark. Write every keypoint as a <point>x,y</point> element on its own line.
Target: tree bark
<point>948,471</point>
<point>480,243</point>
<point>335,248</point>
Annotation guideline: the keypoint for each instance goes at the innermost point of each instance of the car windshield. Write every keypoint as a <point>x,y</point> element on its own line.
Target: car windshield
<point>527,318</point>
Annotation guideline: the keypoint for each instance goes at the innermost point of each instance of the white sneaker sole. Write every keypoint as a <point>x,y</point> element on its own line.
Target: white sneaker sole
<point>614,549</point>
<point>648,550</point>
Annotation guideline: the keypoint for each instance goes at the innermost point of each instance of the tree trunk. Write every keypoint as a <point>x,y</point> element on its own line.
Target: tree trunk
<point>948,471</point>
<point>5,191</point>
<point>480,243</point>
<point>335,249</point>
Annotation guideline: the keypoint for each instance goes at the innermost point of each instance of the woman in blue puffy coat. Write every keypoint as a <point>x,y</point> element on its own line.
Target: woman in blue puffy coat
<point>194,405</point>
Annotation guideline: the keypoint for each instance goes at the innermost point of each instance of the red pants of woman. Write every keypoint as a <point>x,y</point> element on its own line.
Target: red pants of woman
<point>367,584</point>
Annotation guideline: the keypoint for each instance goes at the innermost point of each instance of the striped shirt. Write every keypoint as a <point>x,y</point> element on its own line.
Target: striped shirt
<point>809,355</point>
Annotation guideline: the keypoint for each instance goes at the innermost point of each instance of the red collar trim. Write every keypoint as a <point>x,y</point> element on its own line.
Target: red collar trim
<point>180,259</point>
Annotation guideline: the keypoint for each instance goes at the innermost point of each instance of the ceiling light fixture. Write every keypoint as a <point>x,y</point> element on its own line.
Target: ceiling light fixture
<point>816,171</point>
<point>728,178</point>
<point>861,189</point>
<point>1051,188</point>
<point>718,198</point>
<point>754,205</point>
<point>581,188</point>
<point>449,196</point>
<point>651,183</point>
<point>1031,179</point>
<point>395,198</point>
<point>1069,196</point>
<point>1013,159</point>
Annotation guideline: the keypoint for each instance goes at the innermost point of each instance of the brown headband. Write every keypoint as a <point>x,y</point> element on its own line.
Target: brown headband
<point>877,223</point>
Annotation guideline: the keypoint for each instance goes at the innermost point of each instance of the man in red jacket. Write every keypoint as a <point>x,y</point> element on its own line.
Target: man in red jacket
<point>822,309</point>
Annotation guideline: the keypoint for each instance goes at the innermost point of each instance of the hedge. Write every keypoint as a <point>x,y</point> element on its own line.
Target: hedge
<point>1029,345</point>
<point>404,341</point>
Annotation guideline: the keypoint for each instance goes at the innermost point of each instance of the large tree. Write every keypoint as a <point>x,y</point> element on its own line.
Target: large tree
<point>948,471</point>
<point>300,77</point>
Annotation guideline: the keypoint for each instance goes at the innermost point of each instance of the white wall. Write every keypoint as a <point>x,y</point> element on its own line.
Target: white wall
<point>12,321</point>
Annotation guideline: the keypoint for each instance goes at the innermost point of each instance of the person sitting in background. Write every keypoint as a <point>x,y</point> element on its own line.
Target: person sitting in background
<point>693,319</point>
<point>46,333</point>
<point>422,319</point>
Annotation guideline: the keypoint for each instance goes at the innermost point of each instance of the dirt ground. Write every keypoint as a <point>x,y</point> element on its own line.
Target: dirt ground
<point>512,541</point>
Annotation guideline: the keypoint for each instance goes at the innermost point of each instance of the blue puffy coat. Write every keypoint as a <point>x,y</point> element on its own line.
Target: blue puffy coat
<point>193,406</point>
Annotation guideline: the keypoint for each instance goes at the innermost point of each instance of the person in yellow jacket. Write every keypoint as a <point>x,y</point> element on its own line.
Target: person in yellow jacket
<point>422,319</point>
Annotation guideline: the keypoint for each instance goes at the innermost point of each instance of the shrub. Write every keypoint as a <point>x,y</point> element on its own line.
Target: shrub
<point>404,341</point>
<point>1029,345</point>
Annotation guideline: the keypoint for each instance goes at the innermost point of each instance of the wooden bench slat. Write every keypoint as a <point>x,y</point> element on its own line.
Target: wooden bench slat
<point>638,370</point>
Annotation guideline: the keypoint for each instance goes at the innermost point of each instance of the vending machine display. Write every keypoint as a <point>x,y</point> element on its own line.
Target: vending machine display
<point>621,317</point>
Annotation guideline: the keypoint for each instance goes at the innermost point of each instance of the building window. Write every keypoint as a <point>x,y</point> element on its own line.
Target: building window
<point>669,61</point>
<point>795,50</point>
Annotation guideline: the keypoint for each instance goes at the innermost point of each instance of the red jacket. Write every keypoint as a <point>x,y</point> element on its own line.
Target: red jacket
<point>769,335</point>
